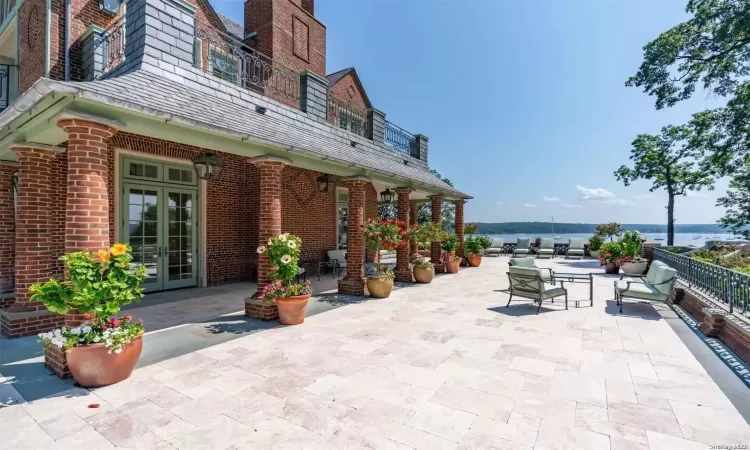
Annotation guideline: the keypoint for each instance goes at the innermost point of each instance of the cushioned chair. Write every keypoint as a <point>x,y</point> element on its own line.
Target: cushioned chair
<point>336,261</point>
<point>546,248</point>
<point>497,247</point>
<point>657,286</point>
<point>527,283</point>
<point>522,247</point>
<point>575,248</point>
<point>544,272</point>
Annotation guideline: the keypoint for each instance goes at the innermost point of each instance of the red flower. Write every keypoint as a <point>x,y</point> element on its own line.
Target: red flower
<point>114,322</point>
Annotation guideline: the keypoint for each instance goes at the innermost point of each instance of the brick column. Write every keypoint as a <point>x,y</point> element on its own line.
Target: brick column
<point>354,282</point>
<point>402,270</point>
<point>87,210</point>
<point>460,226</point>
<point>34,261</point>
<point>437,217</point>
<point>7,232</point>
<point>269,225</point>
<point>413,221</point>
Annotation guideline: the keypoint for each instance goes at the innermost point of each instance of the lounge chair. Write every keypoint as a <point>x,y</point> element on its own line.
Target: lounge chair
<point>546,248</point>
<point>522,247</point>
<point>497,247</point>
<point>527,283</point>
<point>546,273</point>
<point>575,248</point>
<point>656,286</point>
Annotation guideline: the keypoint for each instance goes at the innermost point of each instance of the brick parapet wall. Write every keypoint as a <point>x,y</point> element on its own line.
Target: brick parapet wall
<point>258,309</point>
<point>460,226</point>
<point>402,271</point>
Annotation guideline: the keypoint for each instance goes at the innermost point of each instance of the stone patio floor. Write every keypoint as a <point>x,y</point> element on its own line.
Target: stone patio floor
<point>439,366</point>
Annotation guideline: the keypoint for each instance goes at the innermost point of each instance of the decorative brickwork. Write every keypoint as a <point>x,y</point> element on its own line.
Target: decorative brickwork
<point>269,217</point>
<point>258,309</point>
<point>30,323</point>
<point>354,282</point>
<point>460,226</point>
<point>56,362</point>
<point>736,335</point>
<point>437,217</point>
<point>713,321</point>
<point>31,43</point>
<point>647,250</point>
<point>7,233</point>
<point>402,270</point>
<point>413,221</point>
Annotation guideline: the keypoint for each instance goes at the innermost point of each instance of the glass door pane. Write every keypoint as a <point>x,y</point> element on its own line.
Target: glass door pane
<point>180,238</point>
<point>141,231</point>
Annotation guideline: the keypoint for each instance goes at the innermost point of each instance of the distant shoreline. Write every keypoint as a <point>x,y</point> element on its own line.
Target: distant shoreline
<point>568,228</point>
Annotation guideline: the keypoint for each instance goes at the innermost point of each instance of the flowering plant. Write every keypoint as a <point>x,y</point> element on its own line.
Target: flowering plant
<point>447,258</point>
<point>382,234</point>
<point>283,253</point>
<point>425,235</point>
<point>114,334</point>
<point>612,253</point>
<point>379,272</point>
<point>450,243</point>
<point>595,243</point>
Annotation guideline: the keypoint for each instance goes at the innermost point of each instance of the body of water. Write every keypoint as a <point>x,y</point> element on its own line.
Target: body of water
<point>680,239</point>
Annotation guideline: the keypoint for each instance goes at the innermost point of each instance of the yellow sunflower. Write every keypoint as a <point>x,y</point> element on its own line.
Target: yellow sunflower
<point>118,249</point>
<point>103,256</point>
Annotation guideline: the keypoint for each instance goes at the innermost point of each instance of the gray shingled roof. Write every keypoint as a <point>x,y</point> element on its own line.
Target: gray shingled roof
<point>230,110</point>
<point>232,27</point>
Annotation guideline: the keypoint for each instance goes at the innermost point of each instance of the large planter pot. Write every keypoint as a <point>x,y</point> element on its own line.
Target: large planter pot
<point>379,287</point>
<point>638,268</point>
<point>611,268</point>
<point>474,260</point>
<point>292,309</point>
<point>92,365</point>
<point>452,267</point>
<point>594,253</point>
<point>424,274</point>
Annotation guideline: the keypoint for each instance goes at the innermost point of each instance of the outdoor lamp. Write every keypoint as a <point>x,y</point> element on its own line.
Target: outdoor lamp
<point>323,181</point>
<point>208,166</point>
<point>386,196</point>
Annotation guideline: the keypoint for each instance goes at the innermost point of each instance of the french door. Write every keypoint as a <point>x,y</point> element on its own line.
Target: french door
<point>160,224</point>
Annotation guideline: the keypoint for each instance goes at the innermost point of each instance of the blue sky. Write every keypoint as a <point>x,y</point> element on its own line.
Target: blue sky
<point>524,102</point>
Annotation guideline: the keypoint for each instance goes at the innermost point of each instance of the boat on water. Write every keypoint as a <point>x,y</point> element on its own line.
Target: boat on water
<point>553,229</point>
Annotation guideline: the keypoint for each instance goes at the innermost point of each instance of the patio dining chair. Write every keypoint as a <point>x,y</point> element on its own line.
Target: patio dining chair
<point>497,247</point>
<point>527,283</point>
<point>522,247</point>
<point>575,248</point>
<point>546,248</point>
<point>336,261</point>
<point>546,273</point>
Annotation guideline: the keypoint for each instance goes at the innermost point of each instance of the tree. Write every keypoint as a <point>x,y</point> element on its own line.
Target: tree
<point>737,216</point>
<point>672,161</point>
<point>609,230</point>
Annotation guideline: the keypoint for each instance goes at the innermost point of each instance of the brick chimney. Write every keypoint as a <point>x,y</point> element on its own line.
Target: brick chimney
<point>287,31</point>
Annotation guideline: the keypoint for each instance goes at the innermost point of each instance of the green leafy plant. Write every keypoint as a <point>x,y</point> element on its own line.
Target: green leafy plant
<point>425,235</point>
<point>609,230</point>
<point>611,253</point>
<point>471,228</point>
<point>475,244</point>
<point>450,243</point>
<point>114,334</point>
<point>595,243</point>
<point>283,253</point>
<point>631,243</point>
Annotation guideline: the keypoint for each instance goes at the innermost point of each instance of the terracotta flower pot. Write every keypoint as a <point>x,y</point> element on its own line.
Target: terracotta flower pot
<point>474,260</point>
<point>611,268</point>
<point>292,309</point>
<point>452,267</point>
<point>379,287</point>
<point>424,274</point>
<point>92,366</point>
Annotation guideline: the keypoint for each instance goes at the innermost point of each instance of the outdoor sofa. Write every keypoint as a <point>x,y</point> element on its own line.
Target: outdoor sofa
<point>657,285</point>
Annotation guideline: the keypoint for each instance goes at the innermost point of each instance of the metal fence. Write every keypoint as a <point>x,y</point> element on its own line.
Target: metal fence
<point>715,282</point>
<point>348,116</point>
<point>113,43</point>
<point>401,140</point>
<point>8,85</point>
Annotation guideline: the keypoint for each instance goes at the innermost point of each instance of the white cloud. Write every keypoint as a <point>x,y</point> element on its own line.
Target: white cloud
<point>642,196</point>
<point>568,205</point>
<point>593,193</point>
<point>551,199</point>
<point>529,205</point>
<point>619,202</point>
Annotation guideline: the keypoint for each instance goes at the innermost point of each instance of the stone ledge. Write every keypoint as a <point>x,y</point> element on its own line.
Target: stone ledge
<point>29,323</point>
<point>736,335</point>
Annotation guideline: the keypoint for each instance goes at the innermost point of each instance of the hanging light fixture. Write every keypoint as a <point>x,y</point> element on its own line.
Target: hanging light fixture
<point>208,166</point>
<point>324,182</point>
<point>386,196</point>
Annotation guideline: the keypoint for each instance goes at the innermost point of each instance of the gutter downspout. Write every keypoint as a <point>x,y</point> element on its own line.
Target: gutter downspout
<point>68,13</point>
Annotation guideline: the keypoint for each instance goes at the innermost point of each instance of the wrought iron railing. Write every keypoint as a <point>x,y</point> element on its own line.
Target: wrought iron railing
<point>348,116</point>
<point>715,282</point>
<point>6,6</point>
<point>8,85</point>
<point>113,44</point>
<point>401,140</point>
<point>231,60</point>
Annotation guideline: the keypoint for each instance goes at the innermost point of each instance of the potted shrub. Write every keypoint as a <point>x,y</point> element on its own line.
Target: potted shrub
<point>290,298</point>
<point>474,246</point>
<point>595,243</point>
<point>448,257</point>
<point>631,248</point>
<point>609,230</point>
<point>105,350</point>
<point>379,235</point>
<point>430,232</point>
<point>611,256</point>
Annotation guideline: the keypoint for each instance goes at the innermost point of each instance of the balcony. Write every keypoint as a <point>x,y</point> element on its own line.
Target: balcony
<point>8,85</point>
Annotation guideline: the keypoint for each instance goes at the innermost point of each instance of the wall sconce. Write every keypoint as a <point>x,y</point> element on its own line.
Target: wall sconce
<point>386,196</point>
<point>324,182</point>
<point>208,166</point>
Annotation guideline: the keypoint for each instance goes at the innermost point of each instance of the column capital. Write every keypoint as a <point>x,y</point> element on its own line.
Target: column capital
<point>269,159</point>
<point>403,190</point>
<point>355,178</point>
<point>25,146</point>
<point>460,201</point>
<point>436,197</point>
<point>73,122</point>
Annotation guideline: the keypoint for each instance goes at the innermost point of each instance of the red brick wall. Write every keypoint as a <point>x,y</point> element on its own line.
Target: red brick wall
<point>371,212</point>
<point>7,231</point>
<point>347,89</point>
<point>31,49</point>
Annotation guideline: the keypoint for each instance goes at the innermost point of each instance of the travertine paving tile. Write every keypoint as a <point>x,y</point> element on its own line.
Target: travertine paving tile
<point>725,426</point>
<point>659,441</point>
<point>579,388</point>
<point>474,401</point>
<point>478,440</point>
<point>557,436</point>
<point>442,421</point>
<point>531,365</point>
<point>503,430</point>
<point>524,421</point>
<point>645,417</point>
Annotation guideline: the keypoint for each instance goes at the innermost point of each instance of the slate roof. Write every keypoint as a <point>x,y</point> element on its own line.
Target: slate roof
<point>227,109</point>
<point>232,27</point>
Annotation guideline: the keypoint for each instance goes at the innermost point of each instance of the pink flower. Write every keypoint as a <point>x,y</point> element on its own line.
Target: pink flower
<point>127,319</point>
<point>140,321</point>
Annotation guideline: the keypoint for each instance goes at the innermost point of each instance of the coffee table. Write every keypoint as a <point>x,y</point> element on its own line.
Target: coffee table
<point>576,278</point>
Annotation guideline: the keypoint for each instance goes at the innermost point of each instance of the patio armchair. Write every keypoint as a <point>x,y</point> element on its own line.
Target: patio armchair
<point>527,283</point>
<point>546,273</point>
<point>522,247</point>
<point>656,286</point>
<point>336,260</point>
<point>497,247</point>
<point>575,248</point>
<point>546,248</point>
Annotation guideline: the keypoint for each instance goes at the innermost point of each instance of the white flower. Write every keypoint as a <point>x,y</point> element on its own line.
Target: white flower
<point>286,259</point>
<point>282,237</point>
<point>291,244</point>
<point>76,331</point>
<point>261,249</point>
<point>57,332</point>
<point>118,350</point>
<point>270,242</point>
<point>86,329</point>
<point>97,339</point>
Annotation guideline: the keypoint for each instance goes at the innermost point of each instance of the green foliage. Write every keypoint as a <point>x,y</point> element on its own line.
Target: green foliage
<point>631,243</point>
<point>595,242</point>
<point>471,228</point>
<point>609,230</point>
<point>114,334</point>
<point>737,203</point>
<point>100,285</point>
<point>450,244</point>
<point>283,253</point>
<point>677,250</point>
<point>611,252</point>
<point>475,244</point>
<point>725,256</point>
<point>428,233</point>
